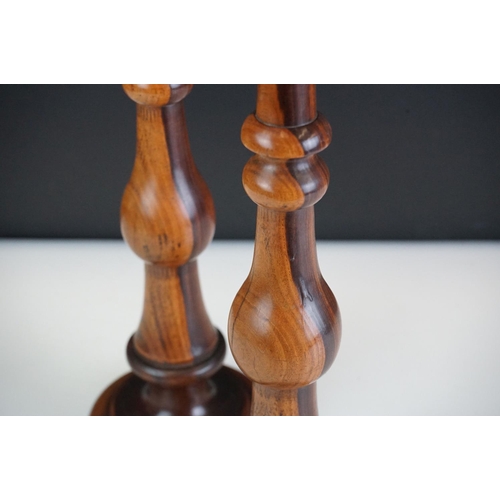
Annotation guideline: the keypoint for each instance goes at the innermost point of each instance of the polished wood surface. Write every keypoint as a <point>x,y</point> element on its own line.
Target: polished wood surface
<point>284,325</point>
<point>168,219</point>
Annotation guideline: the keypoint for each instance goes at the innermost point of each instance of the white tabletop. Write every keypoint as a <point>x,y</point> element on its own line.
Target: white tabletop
<point>421,323</point>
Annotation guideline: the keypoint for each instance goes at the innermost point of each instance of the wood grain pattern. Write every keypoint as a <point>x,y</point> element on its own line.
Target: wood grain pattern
<point>284,325</point>
<point>274,108</point>
<point>286,143</point>
<point>270,402</point>
<point>168,219</point>
<point>219,395</point>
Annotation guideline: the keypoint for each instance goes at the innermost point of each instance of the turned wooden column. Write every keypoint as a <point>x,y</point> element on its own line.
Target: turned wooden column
<point>168,219</point>
<point>284,325</point>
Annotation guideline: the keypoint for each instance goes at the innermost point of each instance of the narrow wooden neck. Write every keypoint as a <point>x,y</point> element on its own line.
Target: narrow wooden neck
<point>286,105</point>
<point>267,401</point>
<point>175,327</point>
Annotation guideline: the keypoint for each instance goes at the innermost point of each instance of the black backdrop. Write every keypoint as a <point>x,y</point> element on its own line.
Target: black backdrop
<point>406,161</point>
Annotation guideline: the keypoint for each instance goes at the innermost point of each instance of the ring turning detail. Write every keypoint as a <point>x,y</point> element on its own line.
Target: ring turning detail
<point>168,219</point>
<point>284,325</point>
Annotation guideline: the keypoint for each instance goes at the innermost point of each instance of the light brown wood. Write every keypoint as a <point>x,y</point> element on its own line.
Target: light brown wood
<point>163,224</point>
<point>168,219</point>
<point>284,325</point>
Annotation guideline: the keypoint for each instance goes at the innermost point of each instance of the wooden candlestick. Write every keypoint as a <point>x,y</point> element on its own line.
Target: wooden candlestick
<point>168,219</point>
<point>284,325</point>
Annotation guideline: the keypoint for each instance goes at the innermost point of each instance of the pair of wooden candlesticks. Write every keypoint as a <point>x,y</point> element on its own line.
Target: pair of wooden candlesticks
<point>284,324</point>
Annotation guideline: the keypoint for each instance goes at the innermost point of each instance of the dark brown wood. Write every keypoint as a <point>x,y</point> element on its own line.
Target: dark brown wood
<point>168,219</point>
<point>284,325</point>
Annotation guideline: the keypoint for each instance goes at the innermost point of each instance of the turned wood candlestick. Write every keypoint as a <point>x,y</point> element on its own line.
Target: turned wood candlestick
<point>168,219</point>
<point>284,325</point>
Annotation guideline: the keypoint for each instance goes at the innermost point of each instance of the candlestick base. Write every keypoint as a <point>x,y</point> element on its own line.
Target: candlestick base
<point>227,392</point>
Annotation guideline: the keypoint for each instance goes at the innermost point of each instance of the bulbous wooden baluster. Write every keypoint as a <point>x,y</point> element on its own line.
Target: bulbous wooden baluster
<point>168,218</point>
<point>284,324</point>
